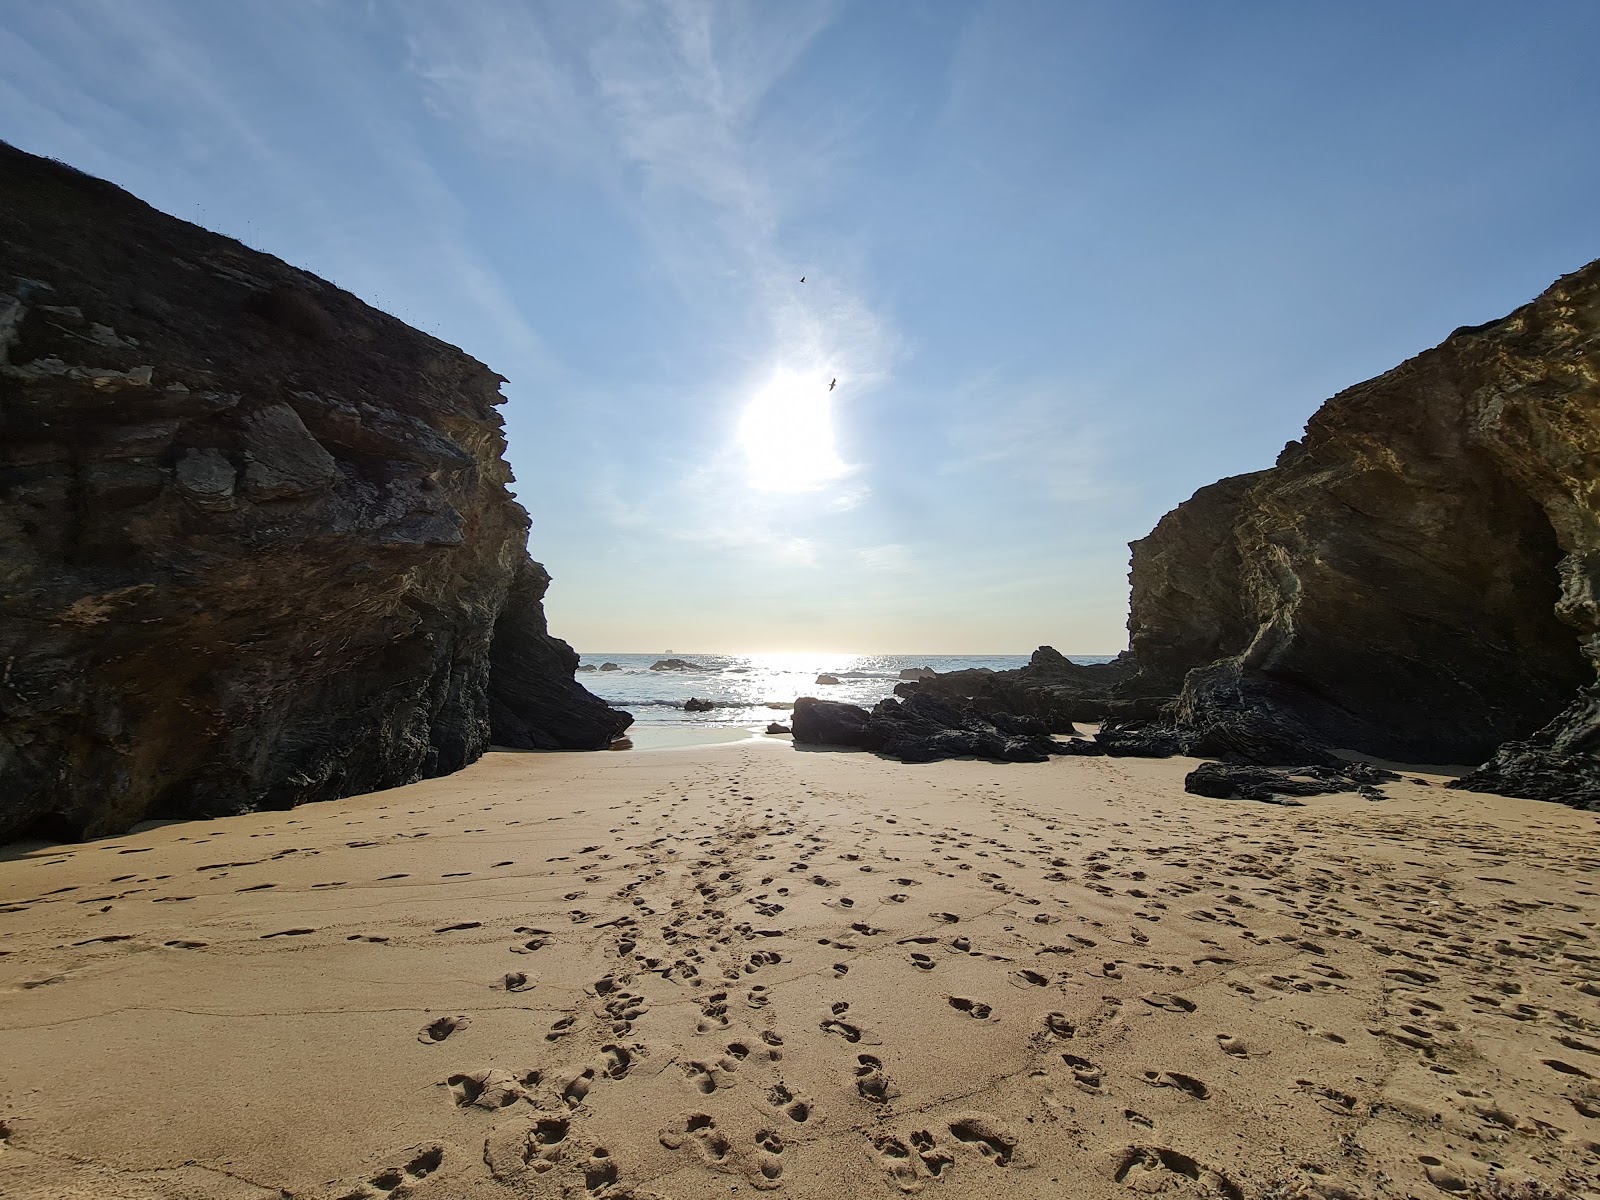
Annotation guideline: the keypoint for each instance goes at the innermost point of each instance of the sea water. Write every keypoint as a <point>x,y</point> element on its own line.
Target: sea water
<point>751,690</point>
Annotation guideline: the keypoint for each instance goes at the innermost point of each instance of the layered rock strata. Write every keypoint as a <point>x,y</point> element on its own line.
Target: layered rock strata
<point>1415,578</point>
<point>257,543</point>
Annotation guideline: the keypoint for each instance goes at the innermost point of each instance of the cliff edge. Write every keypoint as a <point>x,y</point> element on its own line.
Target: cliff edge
<point>1415,579</point>
<point>257,544</point>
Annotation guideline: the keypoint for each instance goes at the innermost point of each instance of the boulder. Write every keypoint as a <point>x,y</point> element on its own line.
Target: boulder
<point>694,705</point>
<point>609,666</point>
<point>827,679</point>
<point>918,673</point>
<point>1233,781</point>
<point>829,723</point>
<point>259,547</point>
<point>774,728</point>
<point>676,664</point>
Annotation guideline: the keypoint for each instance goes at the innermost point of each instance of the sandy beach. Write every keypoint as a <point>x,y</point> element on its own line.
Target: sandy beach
<point>715,970</point>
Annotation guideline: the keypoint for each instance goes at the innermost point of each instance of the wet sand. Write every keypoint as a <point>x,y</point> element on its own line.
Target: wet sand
<point>705,972</point>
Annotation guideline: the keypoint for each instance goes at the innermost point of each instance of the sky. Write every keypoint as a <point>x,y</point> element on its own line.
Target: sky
<point>1065,262</point>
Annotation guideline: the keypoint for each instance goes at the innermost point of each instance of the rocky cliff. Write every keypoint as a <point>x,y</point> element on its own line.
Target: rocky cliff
<point>1415,578</point>
<point>256,546</point>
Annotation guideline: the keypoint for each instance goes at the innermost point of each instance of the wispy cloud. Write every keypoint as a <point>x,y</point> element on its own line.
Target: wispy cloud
<point>1048,438</point>
<point>662,106</point>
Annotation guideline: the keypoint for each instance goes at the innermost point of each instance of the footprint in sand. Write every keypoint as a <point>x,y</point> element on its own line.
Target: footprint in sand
<point>392,1179</point>
<point>436,1031</point>
<point>1187,1084</point>
<point>1058,1024</point>
<point>1151,1169</point>
<point>1169,1002</point>
<point>976,1009</point>
<point>1236,1047</point>
<point>872,1081</point>
<point>792,1105</point>
<point>700,1131</point>
<point>1086,1076</point>
<point>491,1089</point>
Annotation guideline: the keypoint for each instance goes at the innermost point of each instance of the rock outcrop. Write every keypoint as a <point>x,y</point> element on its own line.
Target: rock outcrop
<point>1051,687</point>
<point>1415,579</point>
<point>257,543</point>
<point>924,729</point>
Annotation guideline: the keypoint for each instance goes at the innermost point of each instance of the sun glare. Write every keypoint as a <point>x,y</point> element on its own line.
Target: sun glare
<point>786,432</point>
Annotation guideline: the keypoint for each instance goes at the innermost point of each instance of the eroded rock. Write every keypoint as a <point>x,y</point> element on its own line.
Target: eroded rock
<point>258,547</point>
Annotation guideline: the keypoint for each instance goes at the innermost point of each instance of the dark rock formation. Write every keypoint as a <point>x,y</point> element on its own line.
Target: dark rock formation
<point>693,704</point>
<point>1560,762</point>
<point>1051,687</point>
<point>1415,579</point>
<point>673,664</point>
<point>827,679</point>
<point>533,702</point>
<point>923,729</point>
<point>257,543</point>
<point>774,728</point>
<point>609,666</point>
<point>1232,781</point>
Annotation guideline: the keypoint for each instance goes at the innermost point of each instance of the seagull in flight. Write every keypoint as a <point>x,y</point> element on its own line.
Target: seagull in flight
<point>802,279</point>
<point>831,382</point>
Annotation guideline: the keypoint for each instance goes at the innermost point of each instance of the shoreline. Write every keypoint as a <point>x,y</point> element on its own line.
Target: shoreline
<point>821,972</point>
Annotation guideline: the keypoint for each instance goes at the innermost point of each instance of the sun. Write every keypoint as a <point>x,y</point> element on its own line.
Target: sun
<point>786,432</point>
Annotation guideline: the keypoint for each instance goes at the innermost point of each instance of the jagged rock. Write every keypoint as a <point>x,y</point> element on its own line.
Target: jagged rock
<point>917,673</point>
<point>674,664</point>
<point>1560,762</point>
<point>1186,606</point>
<point>922,729</point>
<point>827,679</point>
<point>694,705</point>
<point>257,543</point>
<point>1416,579</point>
<point>1051,687</point>
<point>534,703</point>
<point>1233,781</point>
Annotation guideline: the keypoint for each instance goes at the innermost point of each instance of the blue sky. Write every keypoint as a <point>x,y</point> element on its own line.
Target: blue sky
<point>1067,261</point>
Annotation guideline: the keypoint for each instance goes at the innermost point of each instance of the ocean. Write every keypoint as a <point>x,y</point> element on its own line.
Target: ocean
<point>750,690</point>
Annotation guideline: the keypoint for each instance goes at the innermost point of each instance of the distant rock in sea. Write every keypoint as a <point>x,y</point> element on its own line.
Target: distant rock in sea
<point>826,679</point>
<point>258,547</point>
<point>676,664</point>
<point>917,673</point>
<point>1418,578</point>
<point>693,704</point>
<point>610,666</point>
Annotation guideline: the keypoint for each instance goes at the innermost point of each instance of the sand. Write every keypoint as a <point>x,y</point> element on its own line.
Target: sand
<point>713,971</point>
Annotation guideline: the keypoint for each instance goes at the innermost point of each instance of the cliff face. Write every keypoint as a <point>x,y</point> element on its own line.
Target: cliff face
<point>257,543</point>
<point>1416,578</point>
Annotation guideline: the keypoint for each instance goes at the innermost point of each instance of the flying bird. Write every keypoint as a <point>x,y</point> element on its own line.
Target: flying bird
<point>831,382</point>
<point>802,279</point>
